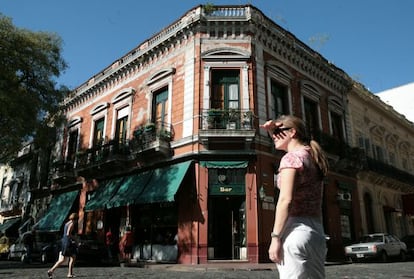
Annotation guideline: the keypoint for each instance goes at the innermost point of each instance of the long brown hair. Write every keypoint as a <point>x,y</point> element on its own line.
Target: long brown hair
<point>316,150</point>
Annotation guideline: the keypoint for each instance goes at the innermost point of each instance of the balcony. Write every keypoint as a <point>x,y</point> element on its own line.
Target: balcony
<point>227,126</point>
<point>148,143</point>
<point>347,159</point>
<point>153,139</point>
<point>62,172</point>
<point>95,161</point>
<point>389,171</point>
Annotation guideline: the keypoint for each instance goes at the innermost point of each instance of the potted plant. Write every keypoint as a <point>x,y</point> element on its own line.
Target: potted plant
<point>149,127</point>
<point>165,135</point>
<point>233,117</point>
<point>215,118</point>
<point>247,119</point>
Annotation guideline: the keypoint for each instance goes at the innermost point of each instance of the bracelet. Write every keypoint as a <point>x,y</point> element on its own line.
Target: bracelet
<point>274,235</point>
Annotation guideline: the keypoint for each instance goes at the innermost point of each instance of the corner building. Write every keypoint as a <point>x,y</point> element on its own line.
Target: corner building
<point>166,139</point>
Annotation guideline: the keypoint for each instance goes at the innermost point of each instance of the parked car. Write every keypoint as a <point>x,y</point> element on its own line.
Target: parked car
<point>18,251</point>
<point>90,251</point>
<point>379,246</point>
<point>409,241</point>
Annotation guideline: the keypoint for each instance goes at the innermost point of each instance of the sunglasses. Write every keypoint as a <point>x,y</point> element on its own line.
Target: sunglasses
<point>279,130</point>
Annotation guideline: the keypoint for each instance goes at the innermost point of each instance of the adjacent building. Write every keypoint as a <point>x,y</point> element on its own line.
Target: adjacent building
<point>386,180</point>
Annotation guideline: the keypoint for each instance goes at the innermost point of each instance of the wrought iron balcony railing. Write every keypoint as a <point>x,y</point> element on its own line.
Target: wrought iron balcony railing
<point>388,170</point>
<point>153,135</point>
<point>102,153</point>
<point>230,119</point>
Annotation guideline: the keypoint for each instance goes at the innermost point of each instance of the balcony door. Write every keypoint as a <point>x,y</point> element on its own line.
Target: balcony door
<point>98,132</point>
<point>225,86</point>
<point>121,126</point>
<point>160,111</point>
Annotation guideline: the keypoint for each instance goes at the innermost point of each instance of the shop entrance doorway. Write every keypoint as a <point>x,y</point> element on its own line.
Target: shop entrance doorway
<point>227,228</point>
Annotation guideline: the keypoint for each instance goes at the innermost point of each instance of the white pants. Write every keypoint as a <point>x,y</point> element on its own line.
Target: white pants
<point>304,249</point>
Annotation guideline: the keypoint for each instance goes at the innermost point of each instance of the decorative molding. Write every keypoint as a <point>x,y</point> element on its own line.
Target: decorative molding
<point>99,108</point>
<point>125,93</point>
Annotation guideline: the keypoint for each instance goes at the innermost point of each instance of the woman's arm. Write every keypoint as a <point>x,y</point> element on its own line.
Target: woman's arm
<point>287,179</point>
<point>70,228</point>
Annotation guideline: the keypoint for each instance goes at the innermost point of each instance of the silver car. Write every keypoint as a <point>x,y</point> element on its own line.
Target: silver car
<point>379,246</point>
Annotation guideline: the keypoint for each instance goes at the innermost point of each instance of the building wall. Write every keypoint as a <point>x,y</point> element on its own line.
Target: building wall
<point>387,140</point>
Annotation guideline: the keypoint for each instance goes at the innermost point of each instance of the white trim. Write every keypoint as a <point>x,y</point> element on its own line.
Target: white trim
<point>99,108</point>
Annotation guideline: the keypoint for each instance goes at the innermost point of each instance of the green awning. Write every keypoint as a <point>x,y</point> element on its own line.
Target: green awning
<point>224,164</point>
<point>164,183</point>
<point>58,211</point>
<point>158,185</point>
<point>105,192</point>
<point>130,190</point>
<point>8,223</point>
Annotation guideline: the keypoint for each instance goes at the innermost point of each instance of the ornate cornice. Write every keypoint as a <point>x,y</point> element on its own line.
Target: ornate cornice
<point>364,94</point>
<point>225,23</point>
<point>285,46</point>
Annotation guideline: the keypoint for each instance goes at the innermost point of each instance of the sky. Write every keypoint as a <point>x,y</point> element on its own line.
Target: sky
<point>371,40</point>
<point>401,99</point>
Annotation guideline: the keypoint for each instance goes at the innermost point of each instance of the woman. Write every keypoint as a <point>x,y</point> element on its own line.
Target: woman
<point>69,249</point>
<point>298,240</point>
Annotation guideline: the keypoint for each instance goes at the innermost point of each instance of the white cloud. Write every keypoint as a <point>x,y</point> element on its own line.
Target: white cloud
<point>401,99</point>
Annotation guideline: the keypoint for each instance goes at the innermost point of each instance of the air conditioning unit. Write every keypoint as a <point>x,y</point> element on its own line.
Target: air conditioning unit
<point>344,197</point>
<point>347,196</point>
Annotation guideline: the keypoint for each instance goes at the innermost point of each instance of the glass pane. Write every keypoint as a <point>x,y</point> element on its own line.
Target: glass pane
<point>280,99</point>
<point>218,96</point>
<point>311,116</point>
<point>121,129</point>
<point>160,113</point>
<point>72,146</point>
<point>98,133</point>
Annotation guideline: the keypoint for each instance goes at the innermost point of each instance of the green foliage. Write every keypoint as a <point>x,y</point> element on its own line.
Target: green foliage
<point>209,8</point>
<point>29,97</point>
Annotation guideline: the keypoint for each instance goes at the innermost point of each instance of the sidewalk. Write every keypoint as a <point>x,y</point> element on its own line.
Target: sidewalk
<point>217,265</point>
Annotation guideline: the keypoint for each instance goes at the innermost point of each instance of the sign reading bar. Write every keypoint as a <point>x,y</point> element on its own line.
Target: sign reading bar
<point>228,190</point>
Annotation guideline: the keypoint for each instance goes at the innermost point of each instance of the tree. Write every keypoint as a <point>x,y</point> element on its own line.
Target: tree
<point>29,97</point>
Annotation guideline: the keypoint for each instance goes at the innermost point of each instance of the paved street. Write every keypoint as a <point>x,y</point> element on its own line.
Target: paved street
<point>402,270</point>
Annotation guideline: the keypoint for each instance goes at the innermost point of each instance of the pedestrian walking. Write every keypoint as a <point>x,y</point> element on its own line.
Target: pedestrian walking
<point>125,244</point>
<point>109,242</point>
<point>298,240</point>
<point>69,247</point>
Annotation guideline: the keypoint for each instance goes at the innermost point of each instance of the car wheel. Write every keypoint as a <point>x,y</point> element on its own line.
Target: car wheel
<point>384,257</point>
<point>403,256</point>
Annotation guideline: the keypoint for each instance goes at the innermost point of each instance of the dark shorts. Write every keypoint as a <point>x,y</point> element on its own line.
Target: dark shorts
<point>69,248</point>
